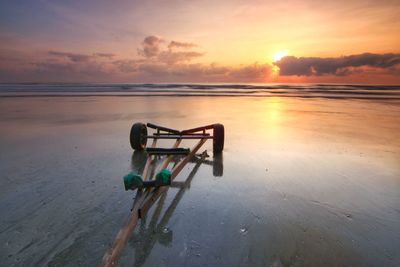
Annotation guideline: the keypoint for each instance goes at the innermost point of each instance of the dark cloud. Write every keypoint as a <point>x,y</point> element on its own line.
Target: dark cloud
<point>340,66</point>
<point>150,46</point>
<point>175,44</point>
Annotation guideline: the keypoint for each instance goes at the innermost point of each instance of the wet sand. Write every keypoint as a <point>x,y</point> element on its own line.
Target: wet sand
<point>306,182</point>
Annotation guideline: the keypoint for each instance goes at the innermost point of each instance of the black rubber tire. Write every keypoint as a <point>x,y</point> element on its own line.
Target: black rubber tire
<point>218,165</point>
<point>138,136</point>
<point>218,139</point>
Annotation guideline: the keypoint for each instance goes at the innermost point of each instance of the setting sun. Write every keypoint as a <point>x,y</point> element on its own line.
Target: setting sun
<point>279,55</point>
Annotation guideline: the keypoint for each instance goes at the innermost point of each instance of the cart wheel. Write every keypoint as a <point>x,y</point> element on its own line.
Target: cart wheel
<point>218,139</point>
<point>218,165</point>
<point>138,136</point>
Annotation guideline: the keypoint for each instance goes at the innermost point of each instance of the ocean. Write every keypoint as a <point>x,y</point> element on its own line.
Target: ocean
<point>181,89</point>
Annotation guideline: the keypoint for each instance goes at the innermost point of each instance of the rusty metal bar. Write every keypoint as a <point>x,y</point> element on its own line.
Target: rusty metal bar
<point>179,136</point>
<point>162,128</point>
<point>198,129</point>
<point>166,134</point>
<point>168,151</point>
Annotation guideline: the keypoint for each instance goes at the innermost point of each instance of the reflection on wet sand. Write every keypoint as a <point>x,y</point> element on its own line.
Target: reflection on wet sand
<point>307,182</point>
<point>145,238</point>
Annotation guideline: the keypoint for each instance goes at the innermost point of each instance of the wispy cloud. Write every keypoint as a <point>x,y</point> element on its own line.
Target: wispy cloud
<point>156,62</point>
<point>74,57</point>
<point>71,56</point>
<point>175,44</point>
<point>105,55</point>
<point>162,60</point>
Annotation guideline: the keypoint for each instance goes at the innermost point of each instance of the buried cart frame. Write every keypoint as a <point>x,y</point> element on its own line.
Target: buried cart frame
<point>148,191</point>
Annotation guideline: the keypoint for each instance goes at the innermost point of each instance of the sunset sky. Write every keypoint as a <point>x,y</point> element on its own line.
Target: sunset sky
<point>200,41</point>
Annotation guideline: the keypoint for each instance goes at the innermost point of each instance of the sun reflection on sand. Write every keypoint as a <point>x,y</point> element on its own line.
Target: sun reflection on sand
<point>272,117</point>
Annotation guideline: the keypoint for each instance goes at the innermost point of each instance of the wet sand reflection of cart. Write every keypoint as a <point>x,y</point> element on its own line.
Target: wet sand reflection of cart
<point>156,229</point>
<point>149,191</point>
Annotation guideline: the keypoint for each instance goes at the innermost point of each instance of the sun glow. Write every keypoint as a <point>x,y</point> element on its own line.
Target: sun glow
<point>279,55</point>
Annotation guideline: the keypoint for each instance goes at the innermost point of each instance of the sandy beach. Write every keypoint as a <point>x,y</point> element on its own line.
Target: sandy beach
<point>306,182</point>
